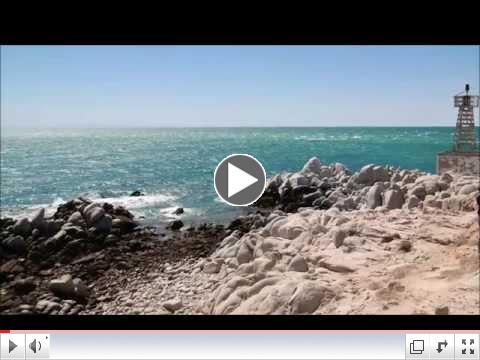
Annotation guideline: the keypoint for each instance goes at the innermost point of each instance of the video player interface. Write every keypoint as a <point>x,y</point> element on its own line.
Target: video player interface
<point>388,345</point>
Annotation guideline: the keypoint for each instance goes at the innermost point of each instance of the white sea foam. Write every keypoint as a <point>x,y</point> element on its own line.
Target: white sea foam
<point>311,138</point>
<point>138,202</point>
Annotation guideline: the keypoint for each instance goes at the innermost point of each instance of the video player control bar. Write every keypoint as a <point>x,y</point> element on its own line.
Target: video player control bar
<point>227,345</point>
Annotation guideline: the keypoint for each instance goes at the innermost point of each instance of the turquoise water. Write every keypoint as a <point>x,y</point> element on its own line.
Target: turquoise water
<point>174,167</point>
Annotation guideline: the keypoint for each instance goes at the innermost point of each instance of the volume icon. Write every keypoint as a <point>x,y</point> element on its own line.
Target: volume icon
<point>35,346</point>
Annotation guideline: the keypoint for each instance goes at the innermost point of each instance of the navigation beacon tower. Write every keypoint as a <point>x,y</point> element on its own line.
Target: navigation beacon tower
<point>465,156</point>
<point>465,137</point>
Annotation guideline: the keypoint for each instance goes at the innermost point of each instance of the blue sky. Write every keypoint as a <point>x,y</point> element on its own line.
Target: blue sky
<point>155,86</point>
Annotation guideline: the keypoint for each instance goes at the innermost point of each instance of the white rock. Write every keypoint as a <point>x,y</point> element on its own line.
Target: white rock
<point>312,166</point>
<point>298,263</point>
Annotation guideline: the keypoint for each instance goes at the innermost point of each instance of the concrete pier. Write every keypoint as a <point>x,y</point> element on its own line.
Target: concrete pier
<point>465,163</point>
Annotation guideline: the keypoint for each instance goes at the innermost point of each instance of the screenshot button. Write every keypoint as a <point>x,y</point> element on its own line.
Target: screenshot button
<point>417,346</point>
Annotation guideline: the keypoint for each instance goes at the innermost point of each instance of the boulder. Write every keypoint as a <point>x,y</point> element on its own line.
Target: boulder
<point>24,286</point>
<point>173,305</point>
<point>53,226</point>
<point>320,202</point>
<point>212,267</point>
<point>370,174</point>
<point>15,244</point>
<point>430,183</point>
<point>312,166</point>
<point>393,199</point>
<point>137,193</point>
<point>446,177</point>
<point>22,227</point>
<point>405,245</point>
<point>442,310</point>
<point>67,288</point>
<point>458,203</point>
<point>298,263</point>
<point>104,224</point>
<point>338,236</point>
<point>178,211</point>
<point>308,297</point>
<point>38,219</point>
<point>431,201</point>
<point>374,195</point>
<point>92,213</point>
<point>339,168</point>
<point>56,241</point>
<point>175,225</point>
<point>413,202</point>
<point>124,223</point>
<point>298,179</point>
<point>346,204</point>
<point>309,199</point>
<point>336,195</point>
<point>418,191</point>
<point>244,254</point>
<point>76,218</point>
<point>468,189</point>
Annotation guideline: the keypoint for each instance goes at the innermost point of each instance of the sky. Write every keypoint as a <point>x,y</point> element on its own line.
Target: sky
<point>201,86</point>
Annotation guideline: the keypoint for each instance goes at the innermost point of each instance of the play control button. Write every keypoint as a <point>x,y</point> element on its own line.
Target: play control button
<point>239,179</point>
<point>11,346</point>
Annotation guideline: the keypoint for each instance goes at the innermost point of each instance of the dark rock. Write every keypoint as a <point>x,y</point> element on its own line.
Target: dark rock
<point>175,225</point>
<point>76,219</point>
<point>137,193</point>
<point>22,227</point>
<point>300,190</point>
<point>67,288</point>
<point>179,211</point>
<point>74,231</point>
<point>15,244</point>
<point>104,225</point>
<point>38,220</point>
<point>35,233</point>
<point>442,310</point>
<point>405,245</point>
<point>24,286</point>
<point>53,226</point>
<point>120,210</point>
<point>56,241</point>
<point>12,266</point>
<point>125,224</point>
<point>93,213</point>
<point>311,197</point>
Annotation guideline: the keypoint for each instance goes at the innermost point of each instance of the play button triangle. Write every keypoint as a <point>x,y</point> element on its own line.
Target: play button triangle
<point>11,346</point>
<point>238,180</point>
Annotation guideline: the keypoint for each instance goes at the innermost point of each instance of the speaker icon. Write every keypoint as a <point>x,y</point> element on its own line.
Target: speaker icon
<point>35,346</point>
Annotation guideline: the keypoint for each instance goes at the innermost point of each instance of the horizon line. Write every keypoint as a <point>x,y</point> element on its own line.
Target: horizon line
<point>220,127</point>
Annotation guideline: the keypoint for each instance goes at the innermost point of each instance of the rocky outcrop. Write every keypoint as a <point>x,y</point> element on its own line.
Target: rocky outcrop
<point>360,251</point>
<point>322,187</point>
<point>358,262</point>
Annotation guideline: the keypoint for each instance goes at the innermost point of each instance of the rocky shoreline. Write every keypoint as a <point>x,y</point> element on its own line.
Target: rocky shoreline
<point>323,240</point>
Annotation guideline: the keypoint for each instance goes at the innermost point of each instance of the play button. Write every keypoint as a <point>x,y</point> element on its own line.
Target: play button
<point>11,346</point>
<point>239,179</point>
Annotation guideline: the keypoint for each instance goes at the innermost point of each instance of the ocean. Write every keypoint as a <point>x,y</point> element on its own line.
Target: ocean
<point>174,167</point>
